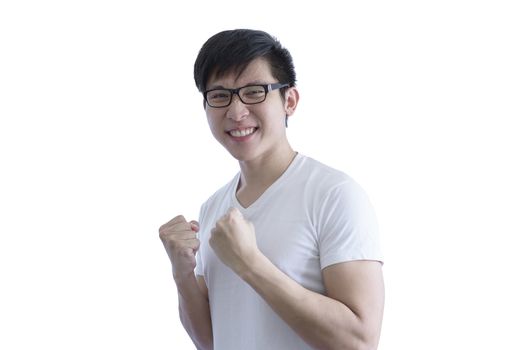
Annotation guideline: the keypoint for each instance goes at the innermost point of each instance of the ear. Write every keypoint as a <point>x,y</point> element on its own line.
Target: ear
<point>291,100</point>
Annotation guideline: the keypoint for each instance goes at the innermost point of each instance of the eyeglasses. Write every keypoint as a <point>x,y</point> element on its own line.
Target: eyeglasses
<point>250,95</point>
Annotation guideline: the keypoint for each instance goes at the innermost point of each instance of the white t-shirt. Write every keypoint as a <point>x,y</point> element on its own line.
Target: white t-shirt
<point>313,216</point>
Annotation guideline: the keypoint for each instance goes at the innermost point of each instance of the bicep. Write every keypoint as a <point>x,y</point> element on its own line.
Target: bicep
<point>358,285</point>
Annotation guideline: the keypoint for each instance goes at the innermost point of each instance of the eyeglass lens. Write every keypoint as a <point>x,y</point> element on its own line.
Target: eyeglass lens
<point>249,95</point>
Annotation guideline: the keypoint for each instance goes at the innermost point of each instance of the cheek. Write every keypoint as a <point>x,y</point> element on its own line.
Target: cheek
<point>214,122</point>
<point>275,120</point>
<point>211,124</point>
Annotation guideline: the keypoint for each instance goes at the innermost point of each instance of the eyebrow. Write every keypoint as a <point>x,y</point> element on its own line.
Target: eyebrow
<point>255,82</point>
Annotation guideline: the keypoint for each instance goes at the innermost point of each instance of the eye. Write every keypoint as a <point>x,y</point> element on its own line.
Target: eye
<point>218,95</point>
<point>253,92</point>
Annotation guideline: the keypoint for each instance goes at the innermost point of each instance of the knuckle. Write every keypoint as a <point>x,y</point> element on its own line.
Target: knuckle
<point>179,218</point>
<point>176,220</point>
<point>172,222</point>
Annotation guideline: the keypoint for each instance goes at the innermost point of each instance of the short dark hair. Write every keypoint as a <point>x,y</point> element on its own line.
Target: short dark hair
<point>232,51</point>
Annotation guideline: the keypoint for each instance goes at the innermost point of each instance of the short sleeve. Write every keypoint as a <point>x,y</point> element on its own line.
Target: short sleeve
<point>198,271</point>
<point>347,226</point>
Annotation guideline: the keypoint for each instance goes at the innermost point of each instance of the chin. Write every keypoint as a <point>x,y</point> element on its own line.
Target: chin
<point>242,156</point>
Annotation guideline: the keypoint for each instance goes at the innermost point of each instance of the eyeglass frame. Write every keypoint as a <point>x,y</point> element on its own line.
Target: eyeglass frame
<point>267,88</point>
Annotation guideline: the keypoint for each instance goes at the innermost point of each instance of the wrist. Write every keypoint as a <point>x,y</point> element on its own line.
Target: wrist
<point>181,278</point>
<point>250,265</point>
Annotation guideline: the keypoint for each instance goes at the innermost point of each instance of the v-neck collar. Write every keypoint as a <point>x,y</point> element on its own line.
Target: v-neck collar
<point>268,192</point>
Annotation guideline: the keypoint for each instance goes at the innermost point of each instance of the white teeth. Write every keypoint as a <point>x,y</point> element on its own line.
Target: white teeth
<point>241,133</point>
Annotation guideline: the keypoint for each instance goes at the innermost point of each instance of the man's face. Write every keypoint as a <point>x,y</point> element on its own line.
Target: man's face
<point>250,132</point>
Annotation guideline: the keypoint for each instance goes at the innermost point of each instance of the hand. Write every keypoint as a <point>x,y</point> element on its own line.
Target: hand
<point>179,239</point>
<point>233,240</point>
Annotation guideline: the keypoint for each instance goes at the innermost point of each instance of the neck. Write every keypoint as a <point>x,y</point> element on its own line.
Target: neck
<point>263,172</point>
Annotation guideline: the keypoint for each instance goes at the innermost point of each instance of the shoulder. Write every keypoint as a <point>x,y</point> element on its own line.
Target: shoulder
<point>333,193</point>
<point>323,179</point>
<point>343,216</point>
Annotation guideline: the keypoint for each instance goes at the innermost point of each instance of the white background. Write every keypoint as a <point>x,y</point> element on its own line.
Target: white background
<point>103,138</point>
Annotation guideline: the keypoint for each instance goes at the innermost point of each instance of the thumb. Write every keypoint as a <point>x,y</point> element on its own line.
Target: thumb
<point>194,225</point>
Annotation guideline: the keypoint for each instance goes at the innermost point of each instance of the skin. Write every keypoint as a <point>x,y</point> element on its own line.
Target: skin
<point>349,315</point>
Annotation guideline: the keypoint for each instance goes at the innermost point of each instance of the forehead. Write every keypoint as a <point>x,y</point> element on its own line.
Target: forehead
<point>257,71</point>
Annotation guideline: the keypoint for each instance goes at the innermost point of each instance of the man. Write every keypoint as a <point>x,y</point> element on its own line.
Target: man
<point>286,255</point>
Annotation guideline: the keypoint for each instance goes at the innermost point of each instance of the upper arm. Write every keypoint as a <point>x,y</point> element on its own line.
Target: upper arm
<point>359,286</point>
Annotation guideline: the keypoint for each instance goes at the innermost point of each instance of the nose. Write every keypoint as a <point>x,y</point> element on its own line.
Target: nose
<point>237,110</point>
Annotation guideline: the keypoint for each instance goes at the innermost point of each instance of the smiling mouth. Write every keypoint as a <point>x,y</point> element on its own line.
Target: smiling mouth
<point>242,133</point>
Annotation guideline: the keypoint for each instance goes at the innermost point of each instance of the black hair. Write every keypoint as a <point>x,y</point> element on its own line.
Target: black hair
<point>232,50</point>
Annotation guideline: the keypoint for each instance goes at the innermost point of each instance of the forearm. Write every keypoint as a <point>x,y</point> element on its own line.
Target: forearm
<point>322,322</point>
<point>194,312</point>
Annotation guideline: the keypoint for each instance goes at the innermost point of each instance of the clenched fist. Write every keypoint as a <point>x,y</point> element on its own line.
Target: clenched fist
<point>233,240</point>
<point>179,239</point>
